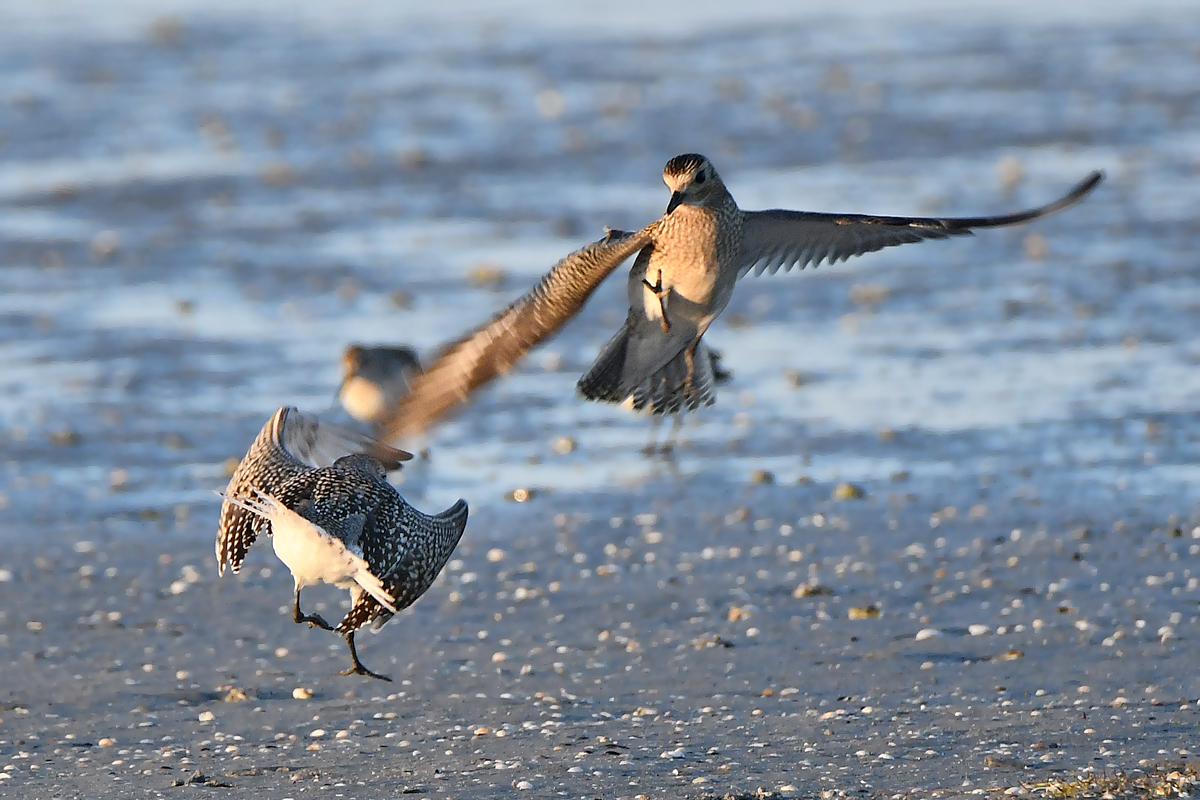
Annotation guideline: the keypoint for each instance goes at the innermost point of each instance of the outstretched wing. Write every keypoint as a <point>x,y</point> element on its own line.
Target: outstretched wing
<point>407,549</point>
<point>481,355</point>
<point>784,239</point>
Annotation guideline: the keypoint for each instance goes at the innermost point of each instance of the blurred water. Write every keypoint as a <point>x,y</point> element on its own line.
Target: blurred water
<point>200,208</point>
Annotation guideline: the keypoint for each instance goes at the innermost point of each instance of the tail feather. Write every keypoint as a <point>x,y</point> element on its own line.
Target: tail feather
<point>256,502</point>
<point>604,381</point>
<point>684,382</point>
<point>374,587</point>
<point>454,517</point>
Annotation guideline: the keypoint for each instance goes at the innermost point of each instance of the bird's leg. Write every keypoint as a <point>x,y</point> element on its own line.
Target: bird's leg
<point>689,358</point>
<point>662,295</point>
<point>668,446</point>
<point>313,620</point>
<point>358,668</point>
<point>652,446</point>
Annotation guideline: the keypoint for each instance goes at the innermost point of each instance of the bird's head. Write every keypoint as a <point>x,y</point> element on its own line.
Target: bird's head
<point>692,181</point>
<point>352,359</point>
<point>361,462</point>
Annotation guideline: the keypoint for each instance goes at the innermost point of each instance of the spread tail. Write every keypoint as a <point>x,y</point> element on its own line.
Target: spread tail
<point>603,381</point>
<point>685,382</point>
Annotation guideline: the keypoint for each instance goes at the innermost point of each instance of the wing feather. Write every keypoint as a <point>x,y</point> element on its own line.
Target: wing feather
<point>493,348</point>
<point>784,239</point>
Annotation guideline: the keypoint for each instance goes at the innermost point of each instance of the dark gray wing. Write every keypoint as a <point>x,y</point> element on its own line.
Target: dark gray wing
<point>784,239</point>
<point>493,348</point>
<point>290,444</point>
<point>406,550</point>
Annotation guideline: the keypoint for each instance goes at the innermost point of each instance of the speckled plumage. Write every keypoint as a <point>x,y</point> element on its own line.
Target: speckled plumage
<point>351,501</point>
<point>405,548</point>
<point>290,443</point>
<point>689,261</point>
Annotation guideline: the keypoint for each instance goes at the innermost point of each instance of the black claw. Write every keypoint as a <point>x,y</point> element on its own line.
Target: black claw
<point>361,670</point>
<point>662,295</point>
<point>313,620</point>
<point>358,668</point>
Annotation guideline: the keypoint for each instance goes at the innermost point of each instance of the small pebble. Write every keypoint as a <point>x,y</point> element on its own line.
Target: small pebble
<point>762,477</point>
<point>564,445</point>
<point>795,378</point>
<point>106,742</point>
<point>1035,247</point>
<point>848,491</point>
<point>863,612</point>
<point>317,733</point>
<point>927,633</point>
<point>486,276</point>
<point>300,693</point>
<point>206,716</point>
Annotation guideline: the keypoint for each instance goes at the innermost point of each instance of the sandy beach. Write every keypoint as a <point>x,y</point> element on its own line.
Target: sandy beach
<point>939,535</point>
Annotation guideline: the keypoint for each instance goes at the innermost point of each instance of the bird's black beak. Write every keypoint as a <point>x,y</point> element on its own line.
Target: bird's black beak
<point>676,199</point>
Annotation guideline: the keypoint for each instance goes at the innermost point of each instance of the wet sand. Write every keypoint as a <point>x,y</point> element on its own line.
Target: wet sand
<point>674,644</point>
<point>201,210</point>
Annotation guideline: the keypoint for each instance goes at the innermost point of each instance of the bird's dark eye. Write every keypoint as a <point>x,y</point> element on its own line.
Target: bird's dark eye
<point>700,177</point>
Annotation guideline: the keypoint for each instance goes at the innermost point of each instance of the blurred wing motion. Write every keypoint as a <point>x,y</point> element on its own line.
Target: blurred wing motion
<point>784,239</point>
<point>481,355</point>
<point>290,444</point>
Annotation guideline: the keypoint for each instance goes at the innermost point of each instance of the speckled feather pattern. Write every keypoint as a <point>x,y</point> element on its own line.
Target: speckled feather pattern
<point>289,444</point>
<point>403,547</point>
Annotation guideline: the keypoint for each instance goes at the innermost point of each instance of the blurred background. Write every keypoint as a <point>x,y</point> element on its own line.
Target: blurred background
<point>202,203</point>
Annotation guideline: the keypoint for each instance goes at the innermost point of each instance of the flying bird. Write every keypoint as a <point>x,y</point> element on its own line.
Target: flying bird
<point>689,261</point>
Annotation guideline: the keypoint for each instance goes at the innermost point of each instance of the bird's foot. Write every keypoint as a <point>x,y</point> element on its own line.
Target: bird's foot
<point>359,669</point>
<point>665,450</point>
<point>662,295</point>
<point>314,621</point>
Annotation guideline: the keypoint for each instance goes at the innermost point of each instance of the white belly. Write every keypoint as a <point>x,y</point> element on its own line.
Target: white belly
<point>310,553</point>
<point>362,399</point>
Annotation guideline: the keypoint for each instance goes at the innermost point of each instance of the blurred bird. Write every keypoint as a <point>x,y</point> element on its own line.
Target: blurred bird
<point>493,348</point>
<point>689,261</point>
<point>345,524</point>
<point>374,379</point>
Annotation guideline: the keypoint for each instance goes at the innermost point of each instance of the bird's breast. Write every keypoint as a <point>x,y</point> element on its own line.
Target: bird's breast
<point>693,252</point>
